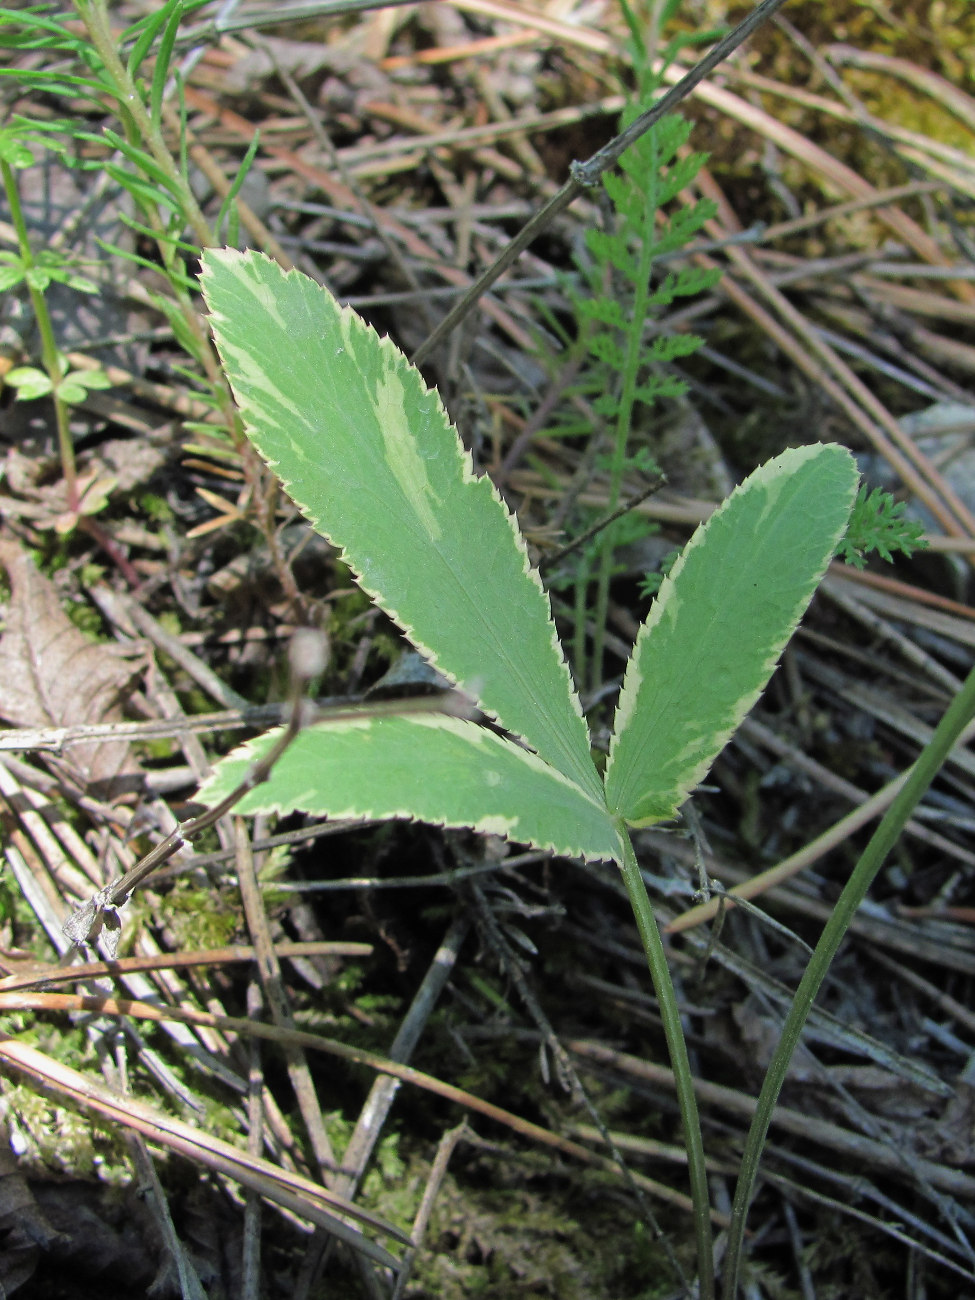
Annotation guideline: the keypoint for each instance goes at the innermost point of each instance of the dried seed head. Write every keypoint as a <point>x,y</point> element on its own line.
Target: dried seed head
<point>308,653</point>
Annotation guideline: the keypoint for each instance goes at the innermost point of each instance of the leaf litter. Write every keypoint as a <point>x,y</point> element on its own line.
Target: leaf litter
<point>51,674</point>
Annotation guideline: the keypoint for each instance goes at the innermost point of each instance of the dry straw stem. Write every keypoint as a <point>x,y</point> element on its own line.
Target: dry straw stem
<point>28,973</point>
<point>344,198</point>
<point>796,337</point>
<point>843,1141</point>
<point>587,174</point>
<point>276,996</point>
<point>290,1191</point>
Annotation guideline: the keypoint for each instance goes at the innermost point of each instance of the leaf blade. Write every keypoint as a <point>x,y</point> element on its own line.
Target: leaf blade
<point>368,453</point>
<point>432,767</point>
<point>719,624</point>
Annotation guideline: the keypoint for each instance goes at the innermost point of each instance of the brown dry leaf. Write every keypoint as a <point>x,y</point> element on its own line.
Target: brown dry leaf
<point>51,675</point>
<point>120,464</point>
<point>131,462</point>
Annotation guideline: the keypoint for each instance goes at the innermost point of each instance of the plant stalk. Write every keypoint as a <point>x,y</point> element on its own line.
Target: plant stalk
<point>49,349</point>
<point>679,1060</point>
<point>139,126</point>
<point>947,734</point>
<point>141,130</point>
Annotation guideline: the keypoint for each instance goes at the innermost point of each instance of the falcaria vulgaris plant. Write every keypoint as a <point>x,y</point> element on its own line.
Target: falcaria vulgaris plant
<point>368,453</point>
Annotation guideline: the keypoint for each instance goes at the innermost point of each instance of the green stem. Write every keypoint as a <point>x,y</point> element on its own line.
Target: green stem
<point>579,621</point>
<point>679,1060</point>
<point>137,122</point>
<point>957,717</point>
<point>624,414</point>
<point>141,130</point>
<point>49,349</point>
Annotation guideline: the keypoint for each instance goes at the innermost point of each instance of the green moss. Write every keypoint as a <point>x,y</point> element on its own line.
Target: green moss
<point>86,618</point>
<point>530,1238</point>
<point>91,574</point>
<point>202,918</point>
<point>51,1136</point>
<point>351,615</point>
<point>23,932</point>
<point>393,1186</point>
<point>169,620</point>
<point>154,507</point>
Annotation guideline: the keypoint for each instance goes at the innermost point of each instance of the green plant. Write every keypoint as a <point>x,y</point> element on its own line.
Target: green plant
<point>103,69</point>
<point>37,272</point>
<point>368,453</point>
<point>628,285</point>
<point>128,81</point>
<point>877,523</point>
<point>629,367</point>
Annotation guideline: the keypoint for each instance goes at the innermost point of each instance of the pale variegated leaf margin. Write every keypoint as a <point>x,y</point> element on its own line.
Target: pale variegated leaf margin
<point>719,624</point>
<point>432,767</point>
<point>368,453</point>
